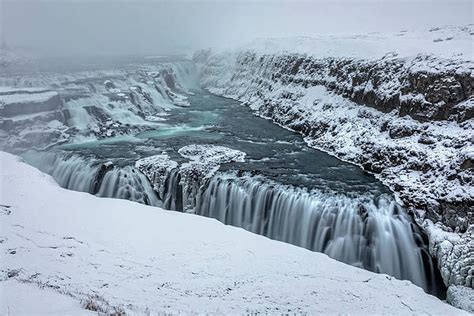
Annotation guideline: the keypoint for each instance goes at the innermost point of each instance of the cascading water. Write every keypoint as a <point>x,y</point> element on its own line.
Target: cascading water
<point>373,233</point>
<point>102,179</point>
<point>368,231</point>
<point>173,191</point>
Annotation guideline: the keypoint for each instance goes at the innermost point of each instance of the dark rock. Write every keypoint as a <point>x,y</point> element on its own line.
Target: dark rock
<point>467,164</point>
<point>427,140</point>
<point>399,131</point>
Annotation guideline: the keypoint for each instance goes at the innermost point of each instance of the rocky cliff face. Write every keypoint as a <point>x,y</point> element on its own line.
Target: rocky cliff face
<point>416,112</point>
<point>408,120</point>
<point>425,88</point>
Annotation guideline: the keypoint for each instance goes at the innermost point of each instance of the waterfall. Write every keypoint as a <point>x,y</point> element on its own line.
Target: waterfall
<point>370,232</point>
<point>95,177</point>
<point>173,191</point>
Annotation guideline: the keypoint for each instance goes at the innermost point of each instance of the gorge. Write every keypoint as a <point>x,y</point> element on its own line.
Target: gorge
<point>369,161</point>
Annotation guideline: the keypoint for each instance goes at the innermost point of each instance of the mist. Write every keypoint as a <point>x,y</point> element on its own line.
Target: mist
<point>69,28</point>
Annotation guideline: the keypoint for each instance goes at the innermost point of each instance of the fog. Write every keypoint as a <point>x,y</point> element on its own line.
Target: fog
<point>64,28</point>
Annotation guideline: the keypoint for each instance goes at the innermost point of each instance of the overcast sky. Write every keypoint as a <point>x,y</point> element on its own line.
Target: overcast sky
<point>158,27</point>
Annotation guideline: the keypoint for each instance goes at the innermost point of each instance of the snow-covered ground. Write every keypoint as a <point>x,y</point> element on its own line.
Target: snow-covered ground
<point>445,41</point>
<point>60,247</point>
<point>20,298</point>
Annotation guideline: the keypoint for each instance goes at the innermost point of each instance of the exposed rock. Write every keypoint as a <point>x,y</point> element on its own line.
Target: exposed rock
<point>426,139</point>
<point>418,87</point>
<point>400,130</point>
<point>99,177</point>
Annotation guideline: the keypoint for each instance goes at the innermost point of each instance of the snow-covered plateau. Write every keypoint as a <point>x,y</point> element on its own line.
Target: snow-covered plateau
<point>400,106</point>
<point>118,256</point>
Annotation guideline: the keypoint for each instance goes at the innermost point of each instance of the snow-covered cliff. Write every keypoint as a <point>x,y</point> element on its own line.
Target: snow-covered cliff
<point>401,107</point>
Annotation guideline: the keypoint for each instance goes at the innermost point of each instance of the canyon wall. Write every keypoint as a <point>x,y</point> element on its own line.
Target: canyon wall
<point>409,120</point>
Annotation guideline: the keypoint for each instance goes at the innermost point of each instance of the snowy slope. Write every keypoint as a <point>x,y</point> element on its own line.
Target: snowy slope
<point>116,255</point>
<point>44,301</point>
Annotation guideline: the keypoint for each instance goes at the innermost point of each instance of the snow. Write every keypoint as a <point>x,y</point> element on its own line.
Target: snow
<point>129,257</point>
<point>468,152</point>
<point>17,298</point>
<point>461,297</point>
<point>322,98</point>
<point>11,90</point>
<point>211,154</point>
<point>357,123</point>
<point>155,168</point>
<point>446,42</point>
<point>160,161</point>
<point>155,57</point>
<point>455,257</point>
<point>204,161</point>
<point>27,97</point>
